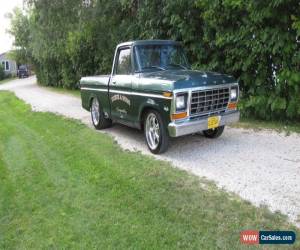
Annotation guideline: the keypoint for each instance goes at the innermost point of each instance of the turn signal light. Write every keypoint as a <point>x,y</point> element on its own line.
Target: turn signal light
<point>179,116</point>
<point>232,105</point>
<point>167,94</point>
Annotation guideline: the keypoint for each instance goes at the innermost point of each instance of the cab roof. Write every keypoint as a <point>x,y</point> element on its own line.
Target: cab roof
<point>148,42</point>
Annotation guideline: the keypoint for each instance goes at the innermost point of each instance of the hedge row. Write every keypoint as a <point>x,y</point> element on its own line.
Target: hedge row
<point>258,42</point>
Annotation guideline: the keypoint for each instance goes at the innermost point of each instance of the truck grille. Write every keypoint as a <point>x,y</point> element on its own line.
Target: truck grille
<point>209,101</point>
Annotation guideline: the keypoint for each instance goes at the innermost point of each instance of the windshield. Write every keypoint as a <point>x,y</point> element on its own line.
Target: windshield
<point>23,67</point>
<point>159,57</point>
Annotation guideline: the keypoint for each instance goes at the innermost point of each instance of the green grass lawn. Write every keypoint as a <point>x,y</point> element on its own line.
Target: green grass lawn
<point>65,186</point>
<point>286,127</point>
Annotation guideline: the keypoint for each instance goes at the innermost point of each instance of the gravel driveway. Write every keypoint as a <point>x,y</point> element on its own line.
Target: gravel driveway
<point>260,166</point>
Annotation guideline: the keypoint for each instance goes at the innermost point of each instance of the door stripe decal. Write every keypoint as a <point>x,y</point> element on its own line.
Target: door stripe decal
<point>101,90</point>
<point>130,93</point>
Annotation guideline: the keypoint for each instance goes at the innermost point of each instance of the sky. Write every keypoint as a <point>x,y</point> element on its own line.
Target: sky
<point>6,6</point>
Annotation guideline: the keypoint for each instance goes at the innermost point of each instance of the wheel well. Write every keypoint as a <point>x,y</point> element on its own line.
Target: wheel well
<point>143,113</point>
<point>91,100</point>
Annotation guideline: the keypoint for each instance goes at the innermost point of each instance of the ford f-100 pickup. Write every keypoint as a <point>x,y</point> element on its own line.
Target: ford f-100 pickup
<point>151,87</point>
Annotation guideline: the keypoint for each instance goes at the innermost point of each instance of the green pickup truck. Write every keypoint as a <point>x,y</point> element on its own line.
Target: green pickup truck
<point>151,87</point>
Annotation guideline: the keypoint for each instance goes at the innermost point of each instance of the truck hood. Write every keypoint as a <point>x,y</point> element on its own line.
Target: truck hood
<point>180,79</point>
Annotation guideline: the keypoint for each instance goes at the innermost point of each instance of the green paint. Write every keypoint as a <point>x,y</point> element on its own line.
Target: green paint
<point>144,89</point>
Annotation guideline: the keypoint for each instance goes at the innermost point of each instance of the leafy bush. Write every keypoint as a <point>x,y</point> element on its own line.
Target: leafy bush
<point>2,73</point>
<point>258,42</point>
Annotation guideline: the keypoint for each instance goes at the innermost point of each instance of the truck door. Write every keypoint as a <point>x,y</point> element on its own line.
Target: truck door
<point>120,87</point>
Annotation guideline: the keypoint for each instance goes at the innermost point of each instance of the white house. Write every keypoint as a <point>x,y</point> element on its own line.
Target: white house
<point>10,66</point>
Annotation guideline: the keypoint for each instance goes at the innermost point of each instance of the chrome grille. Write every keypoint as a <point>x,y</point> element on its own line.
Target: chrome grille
<point>209,101</point>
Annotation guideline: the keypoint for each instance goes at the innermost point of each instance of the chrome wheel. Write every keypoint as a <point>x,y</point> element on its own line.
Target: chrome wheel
<point>152,131</point>
<point>95,111</point>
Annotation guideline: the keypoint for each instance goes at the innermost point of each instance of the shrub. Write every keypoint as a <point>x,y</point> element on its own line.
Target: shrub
<point>255,41</point>
<point>2,73</point>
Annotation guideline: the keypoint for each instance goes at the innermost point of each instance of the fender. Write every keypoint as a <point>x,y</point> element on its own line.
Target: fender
<point>160,105</point>
<point>91,97</point>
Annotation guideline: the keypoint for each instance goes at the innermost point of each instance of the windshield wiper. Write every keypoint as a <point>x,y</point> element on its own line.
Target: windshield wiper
<point>177,65</point>
<point>154,67</point>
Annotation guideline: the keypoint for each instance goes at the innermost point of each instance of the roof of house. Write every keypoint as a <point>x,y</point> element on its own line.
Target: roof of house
<point>1,54</point>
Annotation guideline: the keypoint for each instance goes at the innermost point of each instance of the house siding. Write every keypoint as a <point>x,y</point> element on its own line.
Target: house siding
<point>12,65</point>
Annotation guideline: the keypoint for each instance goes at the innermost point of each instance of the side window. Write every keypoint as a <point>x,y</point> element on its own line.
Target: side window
<point>7,65</point>
<point>124,62</point>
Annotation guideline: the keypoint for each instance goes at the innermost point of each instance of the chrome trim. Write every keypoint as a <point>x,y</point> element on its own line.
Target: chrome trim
<point>101,90</point>
<point>187,101</point>
<point>238,92</point>
<point>191,126</point>
<point>190,90</point>
<point>152,131</point>
<point>95,112</point>
<point>130,93</point>
<point>202,99</point>
<point>140,94</point>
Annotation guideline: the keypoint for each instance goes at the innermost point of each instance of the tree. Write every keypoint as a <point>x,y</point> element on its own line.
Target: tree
<point>256,41</point>
<point>20,30</point>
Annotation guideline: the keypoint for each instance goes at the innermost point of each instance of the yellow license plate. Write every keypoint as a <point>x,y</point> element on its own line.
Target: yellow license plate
<point>213,122</point>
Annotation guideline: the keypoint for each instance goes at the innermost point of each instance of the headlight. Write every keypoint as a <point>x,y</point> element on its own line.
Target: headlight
<point>181,100</point>
<point>233,94</point>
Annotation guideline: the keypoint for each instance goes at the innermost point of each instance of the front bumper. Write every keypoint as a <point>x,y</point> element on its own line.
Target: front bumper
<point>186,127</point>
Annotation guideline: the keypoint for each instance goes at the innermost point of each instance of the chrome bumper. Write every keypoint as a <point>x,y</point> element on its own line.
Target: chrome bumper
<point>186,127</point>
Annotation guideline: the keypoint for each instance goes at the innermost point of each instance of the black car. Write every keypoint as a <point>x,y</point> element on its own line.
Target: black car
<point>23,71</point>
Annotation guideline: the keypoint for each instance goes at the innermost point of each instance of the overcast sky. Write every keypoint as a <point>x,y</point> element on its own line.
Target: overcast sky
<point>6,6</point>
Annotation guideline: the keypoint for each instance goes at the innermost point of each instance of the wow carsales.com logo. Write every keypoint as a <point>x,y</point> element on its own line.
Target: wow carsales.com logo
<point>251,237</point>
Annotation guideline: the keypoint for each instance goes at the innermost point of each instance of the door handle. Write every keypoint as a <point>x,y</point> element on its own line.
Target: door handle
<point>114,82</point>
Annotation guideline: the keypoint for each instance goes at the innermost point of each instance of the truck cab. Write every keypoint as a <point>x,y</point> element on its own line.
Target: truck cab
<point>152,87</point>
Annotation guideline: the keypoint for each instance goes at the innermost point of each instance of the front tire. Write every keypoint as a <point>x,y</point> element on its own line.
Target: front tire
<point>155,133</point>
<point>97,115</point>
<point>214,133</point>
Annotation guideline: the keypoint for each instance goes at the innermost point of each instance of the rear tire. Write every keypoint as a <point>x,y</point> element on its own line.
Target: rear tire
<point>155,132</point>
<point>97,115</point>
<point>214,133</point>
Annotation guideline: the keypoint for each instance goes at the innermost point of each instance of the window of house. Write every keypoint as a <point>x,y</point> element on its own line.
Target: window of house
<point>5,65</point>
<point>124,62</point>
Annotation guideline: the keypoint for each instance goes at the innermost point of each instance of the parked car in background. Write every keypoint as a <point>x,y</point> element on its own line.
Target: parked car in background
<point>23,71</point>
<point>152,87</point>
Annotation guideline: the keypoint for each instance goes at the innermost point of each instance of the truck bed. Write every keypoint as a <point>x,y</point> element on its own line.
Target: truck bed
<point>95,86</point>
<point>89,81</point>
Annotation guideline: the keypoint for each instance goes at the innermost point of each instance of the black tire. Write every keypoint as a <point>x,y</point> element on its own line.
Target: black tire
<point>214,133</point>
<point>101,122</point>
<point>163,140</point>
